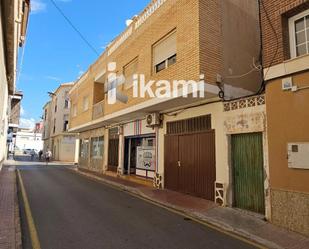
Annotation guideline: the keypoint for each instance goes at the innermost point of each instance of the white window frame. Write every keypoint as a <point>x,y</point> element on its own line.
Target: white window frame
<point>292,35</point>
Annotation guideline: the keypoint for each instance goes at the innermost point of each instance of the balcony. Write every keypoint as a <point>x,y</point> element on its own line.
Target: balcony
<point>98,110</point>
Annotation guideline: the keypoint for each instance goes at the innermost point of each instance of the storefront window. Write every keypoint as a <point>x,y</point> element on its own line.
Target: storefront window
<point>84,148</point>
<point>97,147</point>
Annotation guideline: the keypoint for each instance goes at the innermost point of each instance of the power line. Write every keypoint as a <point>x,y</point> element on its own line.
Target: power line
<point>75,28</point>
<point>21,63</point>
<point>275,34</point>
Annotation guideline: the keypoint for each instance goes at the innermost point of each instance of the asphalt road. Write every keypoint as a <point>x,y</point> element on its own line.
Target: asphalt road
<point>71,211</point>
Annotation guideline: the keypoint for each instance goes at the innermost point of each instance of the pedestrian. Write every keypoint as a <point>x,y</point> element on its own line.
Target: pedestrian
<point>32,154</point>
<point>40,155</point>
<point>48,156</point>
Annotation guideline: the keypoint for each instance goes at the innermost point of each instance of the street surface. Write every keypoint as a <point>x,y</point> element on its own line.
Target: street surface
<point>71,211</point>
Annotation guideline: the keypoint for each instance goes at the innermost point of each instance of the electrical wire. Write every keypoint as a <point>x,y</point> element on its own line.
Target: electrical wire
<point>302,88</point>
<point>75,28</point>
<point>275,34</point>
<point>21,63</point>
<point>254,68</point>
<point>240,76</point>
<point>263,84</point>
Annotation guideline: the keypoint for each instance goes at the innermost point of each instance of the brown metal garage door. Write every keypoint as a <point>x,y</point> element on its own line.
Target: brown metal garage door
<point>113,147</point>
<point>190,163</point>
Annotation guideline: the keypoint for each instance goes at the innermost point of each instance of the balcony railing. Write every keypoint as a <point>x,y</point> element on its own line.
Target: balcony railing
<point>98,110</point>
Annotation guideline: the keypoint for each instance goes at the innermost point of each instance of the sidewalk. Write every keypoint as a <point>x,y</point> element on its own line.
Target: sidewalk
<point>10,232</point>
<point>235,221</point>
<point>26,160</point>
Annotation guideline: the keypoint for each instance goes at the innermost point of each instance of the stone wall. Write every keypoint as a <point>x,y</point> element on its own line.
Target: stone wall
<point>290,210</point>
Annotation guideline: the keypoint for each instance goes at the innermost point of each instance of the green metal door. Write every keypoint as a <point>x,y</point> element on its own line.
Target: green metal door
<point>247,159</point>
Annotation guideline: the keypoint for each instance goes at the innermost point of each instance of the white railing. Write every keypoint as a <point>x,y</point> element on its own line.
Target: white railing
<point>151,8</point>
<point>140,20</point>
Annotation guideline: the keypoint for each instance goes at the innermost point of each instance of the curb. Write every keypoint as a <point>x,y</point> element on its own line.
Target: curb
<point>210,222</point>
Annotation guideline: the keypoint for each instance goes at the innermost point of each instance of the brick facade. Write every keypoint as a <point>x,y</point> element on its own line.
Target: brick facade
<point>15,111</point>
<point>277,13</point>
<point>288,186</point>
<point>201,28</point>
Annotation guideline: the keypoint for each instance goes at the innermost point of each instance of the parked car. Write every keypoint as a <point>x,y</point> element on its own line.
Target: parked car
<point>28,151</point>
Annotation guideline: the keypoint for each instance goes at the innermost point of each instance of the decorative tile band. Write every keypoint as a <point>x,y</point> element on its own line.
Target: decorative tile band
<point>244,103</point>
<point>158,181</point>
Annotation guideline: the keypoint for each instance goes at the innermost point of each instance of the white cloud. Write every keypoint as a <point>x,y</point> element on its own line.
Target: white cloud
<point>80,73</point>
<point>27,123</point>
<point>22,111</point>
<point>53,78</point>
<point>37,6</point>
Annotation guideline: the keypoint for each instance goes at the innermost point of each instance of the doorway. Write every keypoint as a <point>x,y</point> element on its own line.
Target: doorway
<point>132,145</point>
<point>248,171</point>
<point>190,165</point>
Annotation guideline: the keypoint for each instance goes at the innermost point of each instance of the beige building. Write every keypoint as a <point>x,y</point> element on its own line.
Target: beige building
<point>187,144</point>
<point>55,125</point>
<point>13,24</point>
<point>46,125</point>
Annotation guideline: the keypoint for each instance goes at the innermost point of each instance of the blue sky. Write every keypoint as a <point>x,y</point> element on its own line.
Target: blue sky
<point>54,53</point>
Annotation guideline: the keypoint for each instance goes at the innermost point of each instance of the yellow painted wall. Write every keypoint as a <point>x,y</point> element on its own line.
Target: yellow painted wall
<point>85,88</point>
<point>288,121</point>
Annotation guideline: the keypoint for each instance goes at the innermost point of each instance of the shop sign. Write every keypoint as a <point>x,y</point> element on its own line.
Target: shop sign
<point>145,158</point>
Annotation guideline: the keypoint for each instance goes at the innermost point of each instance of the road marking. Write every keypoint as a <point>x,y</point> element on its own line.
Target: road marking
<point>32,229</point>
<point>178,212</point>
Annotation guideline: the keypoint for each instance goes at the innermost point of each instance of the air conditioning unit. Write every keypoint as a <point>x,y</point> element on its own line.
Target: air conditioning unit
<point>153,120</point>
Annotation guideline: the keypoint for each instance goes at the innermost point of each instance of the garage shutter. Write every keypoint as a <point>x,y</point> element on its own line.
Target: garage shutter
<point>198,124</point>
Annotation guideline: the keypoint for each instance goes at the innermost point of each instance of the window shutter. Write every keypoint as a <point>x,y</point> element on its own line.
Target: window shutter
<point>164,49</point>
<point>128,71</point>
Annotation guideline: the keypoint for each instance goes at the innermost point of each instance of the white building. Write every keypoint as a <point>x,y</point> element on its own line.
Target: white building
<point>28,139</point>
<point>55,125</point>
